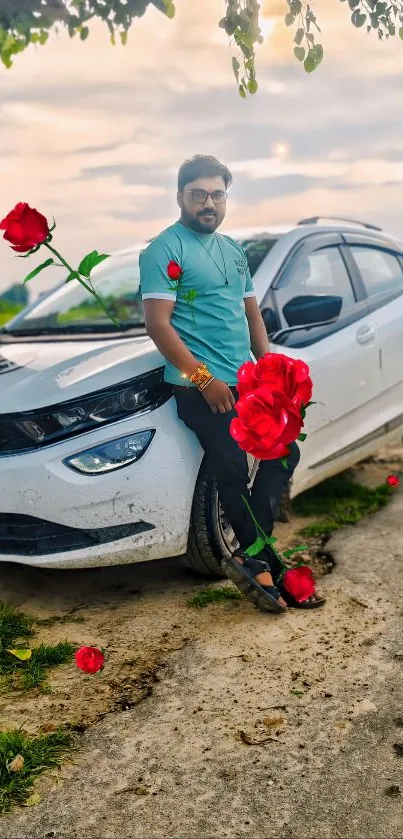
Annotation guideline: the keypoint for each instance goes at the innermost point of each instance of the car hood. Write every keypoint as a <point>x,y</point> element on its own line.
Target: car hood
<point>34,375</point>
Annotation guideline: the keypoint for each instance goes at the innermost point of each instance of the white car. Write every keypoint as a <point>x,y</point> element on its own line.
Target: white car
<point>95,467</point>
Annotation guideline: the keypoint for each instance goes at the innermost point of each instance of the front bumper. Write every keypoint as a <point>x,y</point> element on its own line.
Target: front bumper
<point>133,514</point>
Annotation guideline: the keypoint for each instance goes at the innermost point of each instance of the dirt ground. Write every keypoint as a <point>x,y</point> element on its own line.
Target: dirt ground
<point>224,721</point>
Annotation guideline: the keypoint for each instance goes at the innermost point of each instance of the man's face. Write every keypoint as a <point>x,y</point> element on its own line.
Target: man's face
<point>202,205</point>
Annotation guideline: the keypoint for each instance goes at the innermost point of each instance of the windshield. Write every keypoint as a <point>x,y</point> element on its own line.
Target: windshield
<point>256,249</point>
<point>73,309</point>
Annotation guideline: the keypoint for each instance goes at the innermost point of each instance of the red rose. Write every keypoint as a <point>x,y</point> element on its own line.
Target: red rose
<point>299,582</point>
<point>272,394</point>
<point>24,227</point>
<point>393,481</point>
<point>89,659</point>
<point>174,271</point>
<point>267,423</point>
<point>286,375</point>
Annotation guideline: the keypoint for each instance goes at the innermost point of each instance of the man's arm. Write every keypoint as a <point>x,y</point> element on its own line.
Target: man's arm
<point>257,330</point>
<point>158,322</point>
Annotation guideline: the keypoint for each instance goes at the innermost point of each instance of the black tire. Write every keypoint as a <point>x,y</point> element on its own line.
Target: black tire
<point>208,541</point>
<point>211,539</point>
<point>285,510</point>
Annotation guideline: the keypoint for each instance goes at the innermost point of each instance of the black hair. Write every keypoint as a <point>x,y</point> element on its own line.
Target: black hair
<point>202,166</point>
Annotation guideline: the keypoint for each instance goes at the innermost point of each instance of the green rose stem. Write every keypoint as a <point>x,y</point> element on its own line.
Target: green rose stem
<point>262,539</point>
<point>74,275</point>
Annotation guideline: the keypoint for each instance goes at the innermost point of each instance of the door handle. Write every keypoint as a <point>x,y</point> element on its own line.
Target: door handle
<point>365,334</point>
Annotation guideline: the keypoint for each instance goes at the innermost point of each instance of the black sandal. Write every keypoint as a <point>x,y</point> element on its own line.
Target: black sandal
<point>243,576</point>
<point>313,602</point>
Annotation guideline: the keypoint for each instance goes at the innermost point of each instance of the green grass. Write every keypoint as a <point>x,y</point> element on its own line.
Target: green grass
<point>14,625</point>
<point>213,595</point>
<point>40,753</point>
<point>16,630</point>
<point>339,502</point>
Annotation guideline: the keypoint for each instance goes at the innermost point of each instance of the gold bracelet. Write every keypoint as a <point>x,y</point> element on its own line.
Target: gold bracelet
<point>203,387</point>
<point>201,376</point>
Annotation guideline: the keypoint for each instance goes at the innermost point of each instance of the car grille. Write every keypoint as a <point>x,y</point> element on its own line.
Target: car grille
<point>29,536</point>
<point>6,366</point>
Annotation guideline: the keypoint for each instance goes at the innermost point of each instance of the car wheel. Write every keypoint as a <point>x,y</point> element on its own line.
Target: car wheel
<point>211,538</point>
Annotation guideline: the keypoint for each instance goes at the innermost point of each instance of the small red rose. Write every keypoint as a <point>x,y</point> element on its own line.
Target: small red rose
<point>299,582</point>
<point>392,481</point>
<point>24,227</point>
<point>90,659</point>
<point>174,271</point>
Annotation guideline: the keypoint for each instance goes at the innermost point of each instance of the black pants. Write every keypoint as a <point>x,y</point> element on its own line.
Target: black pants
<point>230,466</point>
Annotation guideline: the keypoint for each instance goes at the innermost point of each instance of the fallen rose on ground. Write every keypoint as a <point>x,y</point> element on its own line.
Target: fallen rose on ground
<point>90,659</point>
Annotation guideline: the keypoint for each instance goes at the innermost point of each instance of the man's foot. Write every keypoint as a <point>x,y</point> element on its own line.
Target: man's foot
<point>264,578</point>
<point>253,578</point>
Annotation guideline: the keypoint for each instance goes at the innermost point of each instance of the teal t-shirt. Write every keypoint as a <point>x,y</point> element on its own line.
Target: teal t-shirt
<point>213,325</point>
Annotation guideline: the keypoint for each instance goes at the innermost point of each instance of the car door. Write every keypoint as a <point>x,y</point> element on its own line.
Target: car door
<point>343,356</point>
<point>381,271</point>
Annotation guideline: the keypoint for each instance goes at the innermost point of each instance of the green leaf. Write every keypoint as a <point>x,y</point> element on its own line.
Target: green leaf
<point>242,91</point>
<point>257,547</point>
<point>252,86</point>
<point>289,19</point>
<point>21,654</point>
<point>190,295</point>
<point>358,19</point>
<point>90,261</point>
<point>401,32</point>
<point>37,270</point>
<point>123,38</point>
<point>43,37</point>
<point>302,437</point>
<point>84,32</point>
<point>313,58</point>
<point>236,67</point>
<point>284,462</point>
<point>299,35</point>
<point>299,53</point>
<point>169,8</point>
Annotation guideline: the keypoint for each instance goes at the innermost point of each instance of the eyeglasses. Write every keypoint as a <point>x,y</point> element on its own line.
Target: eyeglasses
<point>200,196</point>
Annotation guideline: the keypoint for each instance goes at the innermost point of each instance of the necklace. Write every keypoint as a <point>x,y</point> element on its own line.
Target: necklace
<point>223,272</point>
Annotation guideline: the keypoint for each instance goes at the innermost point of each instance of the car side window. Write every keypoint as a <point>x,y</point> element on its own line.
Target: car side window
<point>320,272</point>
<point>380,270</point>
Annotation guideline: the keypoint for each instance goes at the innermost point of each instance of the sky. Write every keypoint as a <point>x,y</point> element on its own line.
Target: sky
<point>93,135</point>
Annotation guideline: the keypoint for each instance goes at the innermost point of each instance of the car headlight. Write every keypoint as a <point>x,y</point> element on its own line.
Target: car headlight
<point>113,455</point>
<point>41,427</point>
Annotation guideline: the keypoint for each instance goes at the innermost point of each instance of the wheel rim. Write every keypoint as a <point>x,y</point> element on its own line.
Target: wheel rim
<point>226,532</point>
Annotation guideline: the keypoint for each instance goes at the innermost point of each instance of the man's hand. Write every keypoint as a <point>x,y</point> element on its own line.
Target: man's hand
<point>219,397</point>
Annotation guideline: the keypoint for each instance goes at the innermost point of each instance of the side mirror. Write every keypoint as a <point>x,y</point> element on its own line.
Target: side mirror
<point>306,310</point>
<point>270,320</point>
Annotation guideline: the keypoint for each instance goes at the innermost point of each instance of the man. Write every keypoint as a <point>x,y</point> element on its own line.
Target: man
<point>202,313</point>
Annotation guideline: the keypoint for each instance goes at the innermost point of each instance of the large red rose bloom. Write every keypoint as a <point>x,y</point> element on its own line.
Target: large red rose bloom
<point>24,228</point>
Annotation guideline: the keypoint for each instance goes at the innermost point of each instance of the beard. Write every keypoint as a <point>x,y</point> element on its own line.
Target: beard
<point>198,224</point>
